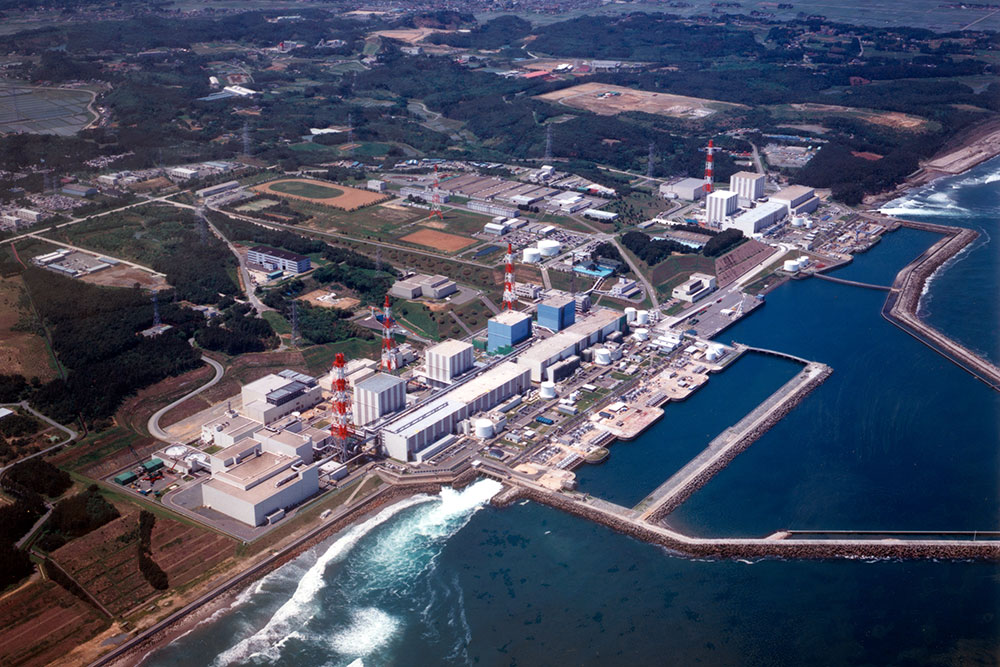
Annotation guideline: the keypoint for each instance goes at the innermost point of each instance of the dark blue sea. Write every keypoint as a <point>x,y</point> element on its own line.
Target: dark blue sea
<point>897,439</point>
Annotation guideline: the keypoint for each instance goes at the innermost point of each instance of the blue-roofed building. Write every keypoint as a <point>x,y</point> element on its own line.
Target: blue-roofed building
<point>507,329</point>
<point>557,313</point>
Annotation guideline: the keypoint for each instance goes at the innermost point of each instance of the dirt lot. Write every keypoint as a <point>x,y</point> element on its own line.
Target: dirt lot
<point>20,351</point>
<point>344,303</point>
<point>126,276</point>
<point>587,96</point>
<point>438,240</point>
<point>893,119</point>
<point>42,621</point>
<point>350,199</point>
<point>410,36</point>
<point>105,561</point>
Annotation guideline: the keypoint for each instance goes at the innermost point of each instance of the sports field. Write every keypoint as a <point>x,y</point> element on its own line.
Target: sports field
<point>327,194</point>
<point>58,111</point>
<point>438,240</point>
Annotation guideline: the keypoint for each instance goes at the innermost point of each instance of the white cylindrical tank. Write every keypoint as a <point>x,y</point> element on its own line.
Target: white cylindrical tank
<point>711,354</point>
<point>630,314</point>
<point>532,255</point>
<point>484,428</point>
<point>176,451</point>
<point>547,390</point>
<point>642,334</point>
<point>602,356</point>
<point>642,317</point>
<point>803,260</point>
<point>548,247</point>
<point>791,265</point>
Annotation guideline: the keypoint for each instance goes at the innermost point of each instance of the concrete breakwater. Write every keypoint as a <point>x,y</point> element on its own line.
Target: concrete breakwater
<point>696,474</point>
<point>901,305</point>
<point>763,547</point>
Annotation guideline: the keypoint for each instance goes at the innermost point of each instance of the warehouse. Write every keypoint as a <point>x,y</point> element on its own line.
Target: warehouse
<point>592,329</point>
<point>798,199</point>
<point>271,259</point>
<point>489,208</point>
<point>688,189</point>
<point>378,396</point>
<point>695,288</point>
<point>419,285</point>
<point>758,218</point>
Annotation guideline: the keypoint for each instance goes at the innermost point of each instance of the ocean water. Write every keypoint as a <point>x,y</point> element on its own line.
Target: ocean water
<point>898,438</point>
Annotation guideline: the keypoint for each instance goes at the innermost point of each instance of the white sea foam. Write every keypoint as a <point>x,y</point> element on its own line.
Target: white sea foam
<point>298,609</point>
<point>390,560</point>
<point>369,630</point>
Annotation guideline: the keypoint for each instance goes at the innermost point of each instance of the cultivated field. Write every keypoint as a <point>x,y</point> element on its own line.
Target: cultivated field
<point>42,622</point>
<point>327,194</point>
<point>59,111</point>
<point>105,562</point>
<point>608,100</point>
<point>438,240</point>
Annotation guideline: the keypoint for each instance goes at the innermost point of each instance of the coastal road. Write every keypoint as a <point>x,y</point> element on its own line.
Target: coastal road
<point>70,433</point>
<point>153,425</point>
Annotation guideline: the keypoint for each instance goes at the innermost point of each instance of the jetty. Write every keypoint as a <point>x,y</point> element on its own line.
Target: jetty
<point>854,283</point>
<point>903,300</point>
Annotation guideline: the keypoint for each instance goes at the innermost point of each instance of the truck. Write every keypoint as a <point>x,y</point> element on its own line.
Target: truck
<point>544,420</point>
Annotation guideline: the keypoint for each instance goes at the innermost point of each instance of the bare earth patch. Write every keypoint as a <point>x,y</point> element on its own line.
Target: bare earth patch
<point>438,240</point>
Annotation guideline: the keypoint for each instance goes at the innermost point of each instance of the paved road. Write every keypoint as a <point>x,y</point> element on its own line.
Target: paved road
<point>70,433</point>
<point>153,425</point>
<point>248,287</point>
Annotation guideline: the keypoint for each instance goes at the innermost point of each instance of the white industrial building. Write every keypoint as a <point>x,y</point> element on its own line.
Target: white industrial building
<point>277,395</point>
<point>376,185</point>
<point>491,208</point>
<point>603,216</point>
<point>257,479</point>
<point>377,396</point>
<point>798,199</point>
<point>419,285</point>
<point>757,219</point>
<point>688,189</point>
<point>695,288</point>
<point>747,184</point>
<point>446,361</point>
<point>624,288</point>
<point>423,431</point>
<point>594,328</point>
<point>719,205</point>
<point>183,173</point>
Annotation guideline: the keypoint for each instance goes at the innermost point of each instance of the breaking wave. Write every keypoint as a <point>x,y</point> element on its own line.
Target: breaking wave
<point>382,567</point>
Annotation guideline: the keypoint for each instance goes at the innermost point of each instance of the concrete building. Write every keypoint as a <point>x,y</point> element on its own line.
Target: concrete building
<point>213,190</point>
<point>688,189</point>
<point>592,329</point>
<point>277,395</point>
<point>256,481</point>
<point>557,313</point>
<point>419,285</point>
<point>376,185</point>
<point>719,205</point>
<point>183,173</point>
<point>506,329</point>
<point>422,432</point>
<point>527,290</point>
<point>747,184</point>
<point>798,199</point>
<point>696,287</point>
<point>79,190</point>
<point>757,219</point>
<point>603,216</point>
<point>446,361</point>
<point>271,259</point>
<point>29,215</point>
<point>490,208</point>
<point>495,228</point>
<point>377,396</point>
<point>624,288</point>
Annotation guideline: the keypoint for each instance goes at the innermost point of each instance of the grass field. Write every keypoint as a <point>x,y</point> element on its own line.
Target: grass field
<point>277,322</point>
<point>21,351</point>
<point>319,358</point>
<point>307,189</point>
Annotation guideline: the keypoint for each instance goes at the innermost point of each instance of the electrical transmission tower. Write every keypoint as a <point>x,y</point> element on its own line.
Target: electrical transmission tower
<point>245,136</point>
<point>202,225</point>
<point>378,258</point>
<point>436,199</point>
<point>548,143</point>
<point>295,324</point>
<point>509,296</point>
<point>156,311</point>
<point>649,161</point>
<point>350,133</point>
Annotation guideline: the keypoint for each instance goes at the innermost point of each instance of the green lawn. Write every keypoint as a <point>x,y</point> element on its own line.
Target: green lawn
<point>277,322</point>
<point>319,358</point>
<point>308,190</point>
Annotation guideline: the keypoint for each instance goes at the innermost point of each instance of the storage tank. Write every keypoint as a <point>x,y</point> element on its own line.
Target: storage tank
<point>630,314</point>
<point>547,390</point>
<point>532,255</point>
<point>642,317</point>
<point>641,334</point>
<point>548,247</point>
<point>803,261</point>
<point>484,428</point>
<point>791,265</point>
<point>176,451</point>
<point>602,356</point>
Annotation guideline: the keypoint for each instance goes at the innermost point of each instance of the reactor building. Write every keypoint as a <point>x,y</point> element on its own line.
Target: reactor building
<point>446,361</point>
<point>557,313</point>
<point>507,329</point>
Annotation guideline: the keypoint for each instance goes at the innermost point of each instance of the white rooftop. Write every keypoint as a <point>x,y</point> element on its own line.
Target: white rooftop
<point>486,382</point>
